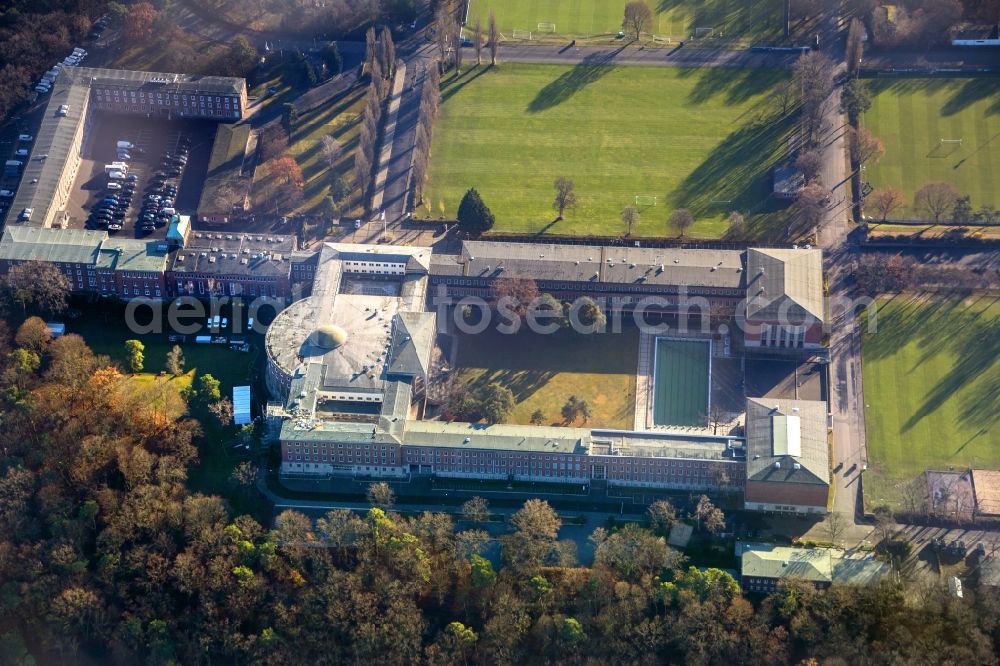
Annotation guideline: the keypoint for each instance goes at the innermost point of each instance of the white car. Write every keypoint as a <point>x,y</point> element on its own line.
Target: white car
<point>114,186</point>
<point>42,89</point>
<point>26,214</point>
<point>25,137</point>
<point>63,110</point>
<point>6,194</point>
<point>22,152</point>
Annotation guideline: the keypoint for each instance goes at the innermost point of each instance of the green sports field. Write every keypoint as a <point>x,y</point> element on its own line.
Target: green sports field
<point>932,390</point>
<point>680,382</point>
<point>911,116</point>
<point>732,19</point>
<point>703,139</point>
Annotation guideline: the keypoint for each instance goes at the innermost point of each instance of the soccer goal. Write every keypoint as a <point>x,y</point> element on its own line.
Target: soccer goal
<point>702,33</point>
<point>522,34</point>
<point>645,200</point>
<point>951,142</point>
<point>547,27</point>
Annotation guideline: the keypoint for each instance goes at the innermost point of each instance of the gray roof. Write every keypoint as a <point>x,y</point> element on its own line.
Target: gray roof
<point>225,171</point>
<point>235,253</point>
<point>587,263</point>
<point>413,336</point>
<point>766,420</point>
<point>539,439</point>
<point>816,565</point>
<point>78,246</point>
<point>56,141</point>
<point>785,283</point>
<point>788,181</point>
<point>658,444</point>
<point>129,254</point>
<point>161,81</point>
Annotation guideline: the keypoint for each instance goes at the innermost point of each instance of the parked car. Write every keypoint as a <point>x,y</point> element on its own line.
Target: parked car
<point>25,137</point>
<point>114,186</point>
<point>6,193</point>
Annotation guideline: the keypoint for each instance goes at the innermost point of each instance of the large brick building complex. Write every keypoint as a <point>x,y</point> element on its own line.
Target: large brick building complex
<point>364,337</point>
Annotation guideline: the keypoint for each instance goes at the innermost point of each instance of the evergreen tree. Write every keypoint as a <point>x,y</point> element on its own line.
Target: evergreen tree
<point>473,215</point>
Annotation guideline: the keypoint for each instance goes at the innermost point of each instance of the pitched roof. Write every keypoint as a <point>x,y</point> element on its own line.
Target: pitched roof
<point>986,483</point>
<point>75,246</point>
<point>412,343</point>
<point>589,263</point>
<point>817,565</point>
<point>773,428</point>
<point>784,283</point>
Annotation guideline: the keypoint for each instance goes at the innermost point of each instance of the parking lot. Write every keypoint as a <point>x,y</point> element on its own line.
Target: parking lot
<point>152,139</point>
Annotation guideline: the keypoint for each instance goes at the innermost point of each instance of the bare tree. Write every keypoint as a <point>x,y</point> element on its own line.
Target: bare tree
<point>885,202</point>
<point>855,46</point>
<point>935,199</point>
<point>476,510</point>
<point>813,76</point>
<point>835,525</point>
<point>519,293</point>
<point>370,51</point>
<point>456,54</point>
<point>681,220</point>
<point>630,216</point>
<point>809,162</point>
<point>380,494</point>
<point>637,16</point>
<point>737,224</point>
<point>864,146</point>
<point>387,53</point>
<point>494,37</point>
<point>565,195</point>
<point>331,150</point>
<point>477,40</point>
<point>810,204</point>
<point>662,516</point>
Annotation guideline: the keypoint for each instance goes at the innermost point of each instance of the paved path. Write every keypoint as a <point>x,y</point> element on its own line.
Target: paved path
<point>388,136</point>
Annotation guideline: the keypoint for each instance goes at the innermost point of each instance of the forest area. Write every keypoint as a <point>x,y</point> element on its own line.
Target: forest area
<point>106,556</point>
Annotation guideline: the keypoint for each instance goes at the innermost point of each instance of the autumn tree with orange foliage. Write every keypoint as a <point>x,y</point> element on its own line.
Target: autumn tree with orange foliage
<point>139,22</point>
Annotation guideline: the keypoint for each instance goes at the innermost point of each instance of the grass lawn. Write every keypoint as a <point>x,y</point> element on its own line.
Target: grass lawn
<point>230,367</point>
<point>911,116</point>
<point>932,387</point>
<point>543,371</point>
<point>694,138</point>
<point>341,118</point>
<point>680,395</point>
<point>733,19</point>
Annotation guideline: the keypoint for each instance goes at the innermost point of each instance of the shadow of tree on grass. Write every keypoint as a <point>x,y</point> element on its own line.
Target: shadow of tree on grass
<point>591,69</point>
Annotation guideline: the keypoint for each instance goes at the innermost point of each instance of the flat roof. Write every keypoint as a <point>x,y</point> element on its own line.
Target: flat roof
<point>537,439</point>
<point>129,254</point>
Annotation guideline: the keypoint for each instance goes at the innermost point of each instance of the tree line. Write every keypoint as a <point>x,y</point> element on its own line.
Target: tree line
<point>107,556</point>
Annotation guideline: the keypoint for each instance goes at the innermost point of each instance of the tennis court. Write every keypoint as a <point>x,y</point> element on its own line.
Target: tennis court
<point>680,382</point>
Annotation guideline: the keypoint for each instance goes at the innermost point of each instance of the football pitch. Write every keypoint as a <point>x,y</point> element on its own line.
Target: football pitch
<point>702,139</point>
<point>912,116</point>
<point>680,382</point>
<point>729,19</point>
<point>931,373</point>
